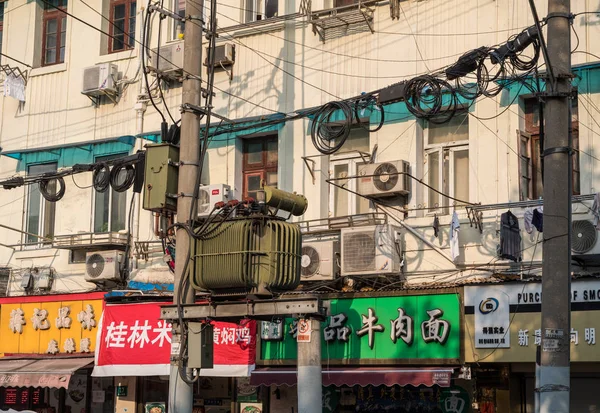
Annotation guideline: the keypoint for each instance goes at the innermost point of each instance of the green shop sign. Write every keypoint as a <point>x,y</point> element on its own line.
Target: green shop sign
<point>383,328</point>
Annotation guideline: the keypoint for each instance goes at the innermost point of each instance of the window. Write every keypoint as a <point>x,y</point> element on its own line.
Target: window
<point>122,28</point>
<point>255,10</point>
<point>345,163</point>
<point>110,206</point>
<point>530,165</point>
<point>260,164</point>
<point>447,159</point>
<point>1,24</point>
<point>178,26</point>
<point>40,213</point>
<point>55,30</point>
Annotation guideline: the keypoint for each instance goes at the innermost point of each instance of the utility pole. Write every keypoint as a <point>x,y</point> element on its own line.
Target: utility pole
<point>310,390</point>
<point>181,397</point>
<point>554,380</point>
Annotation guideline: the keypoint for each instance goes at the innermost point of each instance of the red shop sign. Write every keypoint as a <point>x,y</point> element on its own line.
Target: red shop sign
<point>133,341</point>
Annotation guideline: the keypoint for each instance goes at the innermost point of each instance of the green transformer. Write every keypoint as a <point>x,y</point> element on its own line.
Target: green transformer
<point>255,255</point>
<point>160,177</point>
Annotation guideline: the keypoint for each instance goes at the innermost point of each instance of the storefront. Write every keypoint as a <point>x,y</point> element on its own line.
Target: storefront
<point>47,344</point>
<point>135,348</point>
<point>381,354</point>
<point>503,333</point>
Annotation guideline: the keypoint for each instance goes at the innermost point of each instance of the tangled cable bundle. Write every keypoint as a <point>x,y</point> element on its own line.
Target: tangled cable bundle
<point>122,177</point>
<point>101,177</point>
<point>328,135</point>
<point>50,192</point>
<point>429,97</point>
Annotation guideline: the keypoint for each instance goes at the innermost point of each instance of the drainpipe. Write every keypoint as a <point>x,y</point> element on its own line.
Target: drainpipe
<point>140,109</point>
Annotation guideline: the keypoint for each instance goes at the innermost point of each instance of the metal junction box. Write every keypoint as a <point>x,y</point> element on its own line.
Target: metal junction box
<point>160,177</point>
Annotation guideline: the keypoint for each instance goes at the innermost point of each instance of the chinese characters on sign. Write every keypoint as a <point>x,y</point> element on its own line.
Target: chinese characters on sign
<point>41,320</point>
<point>589,335</point>
<point>231,335</point>
<point>435,329</point>
<point>136,336</point>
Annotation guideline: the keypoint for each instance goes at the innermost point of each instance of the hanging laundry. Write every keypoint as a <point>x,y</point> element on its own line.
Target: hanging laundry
<point>510,237</point>
<point>538,219</point>
<point>454,230</point>
<point>527,217</point>
<point>436,226</point>
<point>596,210</point>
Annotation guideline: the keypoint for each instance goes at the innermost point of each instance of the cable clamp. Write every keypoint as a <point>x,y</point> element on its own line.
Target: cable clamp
<point>184,195</point>
<point>183,163</point>
<point>568,16</point>
<point>558,149</point>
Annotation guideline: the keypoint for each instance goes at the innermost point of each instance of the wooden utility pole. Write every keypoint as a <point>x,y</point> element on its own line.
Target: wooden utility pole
<point>554,371</point>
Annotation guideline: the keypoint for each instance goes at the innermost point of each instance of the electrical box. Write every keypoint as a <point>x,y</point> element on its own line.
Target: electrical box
<point>160,177</point>
<point>200,345</point>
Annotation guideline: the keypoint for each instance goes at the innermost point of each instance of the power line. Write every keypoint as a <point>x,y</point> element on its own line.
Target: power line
<point>408,34</point>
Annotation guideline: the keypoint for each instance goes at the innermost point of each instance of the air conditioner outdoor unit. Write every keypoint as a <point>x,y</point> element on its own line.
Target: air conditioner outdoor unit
<point>209,195</point>
<point>100,80</point>
<point>103,266</point>
<point>374,249</point>
<point>320,259</point>
<point>584,238</point>
<point>384,179</point>
<point>224,55</point>
<point>168,60</point>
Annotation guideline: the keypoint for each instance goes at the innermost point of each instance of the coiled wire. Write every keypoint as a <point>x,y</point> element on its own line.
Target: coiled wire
<point>328,135</point>
<point>122,177</point>
<point>101,177</point>
<point>48,188</point>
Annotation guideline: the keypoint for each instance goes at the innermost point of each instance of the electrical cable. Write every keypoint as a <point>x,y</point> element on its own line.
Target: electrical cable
<point>52,194</point>
<point>361,106</point>
<point>145,50</point>
<point>101,177</point>
<point>122,177</point>
<point>160,91</point>
<point>329,136</point>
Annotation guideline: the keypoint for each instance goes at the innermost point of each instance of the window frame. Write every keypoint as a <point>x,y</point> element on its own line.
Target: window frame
<point>440,149</point>
<point>52,13</point>
<point>110,193</point>
<point>126,33</point>
<point>39,242</point>
<point>264,167</point>
<point>353,161</point>
<point>257,10</point>
<point>532,134</point>
<point>177,23</point>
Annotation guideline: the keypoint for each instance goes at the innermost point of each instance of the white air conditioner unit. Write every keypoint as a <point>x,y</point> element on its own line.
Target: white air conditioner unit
<point>320,259</point>
<point>100,80</point>
<point>584,238</point>
<point>384,179</point>
<point>224,55</point>
<point>374,249</point>
<point>168,60</point>
<point>45,278</point>
<point>209,195</point>
<point>103,266</point>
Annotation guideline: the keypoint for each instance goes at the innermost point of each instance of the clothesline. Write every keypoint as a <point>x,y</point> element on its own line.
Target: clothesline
<point>475,212</point>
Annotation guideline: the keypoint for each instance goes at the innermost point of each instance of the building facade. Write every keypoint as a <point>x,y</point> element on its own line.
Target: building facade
<point>80,96</point>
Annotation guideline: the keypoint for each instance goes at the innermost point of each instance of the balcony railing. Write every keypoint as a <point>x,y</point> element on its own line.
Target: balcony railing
<point>90,240</point>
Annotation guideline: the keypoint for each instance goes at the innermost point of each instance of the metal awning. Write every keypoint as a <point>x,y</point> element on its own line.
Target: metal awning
<point>362,376</point>
<point>55,372</point>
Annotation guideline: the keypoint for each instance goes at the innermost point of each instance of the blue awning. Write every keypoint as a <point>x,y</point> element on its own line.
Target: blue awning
<point>71,154</point>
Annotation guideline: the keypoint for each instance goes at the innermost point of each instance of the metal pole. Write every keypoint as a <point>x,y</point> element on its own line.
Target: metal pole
<point>181,393</point>
<point>554,381</point>
<point>310,390</point>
